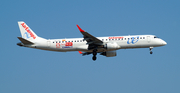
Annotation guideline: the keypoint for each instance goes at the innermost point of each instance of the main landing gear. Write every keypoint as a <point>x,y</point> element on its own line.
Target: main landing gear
<point>94,54</point>
<point>150,48</point>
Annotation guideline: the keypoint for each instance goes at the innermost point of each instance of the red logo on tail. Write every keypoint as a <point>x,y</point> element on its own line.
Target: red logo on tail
<point>28,30</point>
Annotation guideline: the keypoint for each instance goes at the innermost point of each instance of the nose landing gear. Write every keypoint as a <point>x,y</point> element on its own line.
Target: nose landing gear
<point>150,48</point>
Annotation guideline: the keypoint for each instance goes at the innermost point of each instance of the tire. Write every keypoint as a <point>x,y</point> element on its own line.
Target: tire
<point>94,58</point>
<point>151,52</point>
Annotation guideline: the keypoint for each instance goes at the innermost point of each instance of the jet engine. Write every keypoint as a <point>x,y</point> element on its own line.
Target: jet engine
<point>111,46</point>
<point>109,53</point>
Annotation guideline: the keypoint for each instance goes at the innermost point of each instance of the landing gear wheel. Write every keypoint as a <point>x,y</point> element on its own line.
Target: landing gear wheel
<point>151,52</point>
<point>94,54</point>
<point>150,48</point>
<point>94,58</point>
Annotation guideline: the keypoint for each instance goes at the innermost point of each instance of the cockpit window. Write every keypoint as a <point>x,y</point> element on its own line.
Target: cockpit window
<point>156,37</point>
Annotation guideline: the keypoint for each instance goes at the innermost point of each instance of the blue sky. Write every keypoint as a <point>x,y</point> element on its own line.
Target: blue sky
<point>25,70</point>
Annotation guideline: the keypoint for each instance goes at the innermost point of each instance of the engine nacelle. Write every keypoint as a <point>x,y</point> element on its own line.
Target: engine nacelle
<point>111,45</point>
<point>109,53</point>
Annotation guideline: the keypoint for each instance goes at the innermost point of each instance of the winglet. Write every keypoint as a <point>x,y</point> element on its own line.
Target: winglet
<point>80,29</point>
<point>80,52</point>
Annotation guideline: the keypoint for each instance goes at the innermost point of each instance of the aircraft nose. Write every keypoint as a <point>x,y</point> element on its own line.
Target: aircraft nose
<point>164,43</point>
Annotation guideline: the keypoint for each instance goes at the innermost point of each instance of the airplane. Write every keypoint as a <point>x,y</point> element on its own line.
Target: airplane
<point>89,44</point>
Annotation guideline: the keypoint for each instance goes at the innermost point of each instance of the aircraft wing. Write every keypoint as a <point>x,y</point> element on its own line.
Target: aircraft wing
<point>91,40</point>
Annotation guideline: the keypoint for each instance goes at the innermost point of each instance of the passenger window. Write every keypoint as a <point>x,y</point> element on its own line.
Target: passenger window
<point>143,37</point>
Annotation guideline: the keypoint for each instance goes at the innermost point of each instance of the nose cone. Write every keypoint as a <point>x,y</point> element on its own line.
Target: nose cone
<point>164,43</point>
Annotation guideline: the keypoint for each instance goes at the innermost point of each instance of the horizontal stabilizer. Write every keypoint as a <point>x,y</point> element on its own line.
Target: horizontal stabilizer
<point>24,41</point>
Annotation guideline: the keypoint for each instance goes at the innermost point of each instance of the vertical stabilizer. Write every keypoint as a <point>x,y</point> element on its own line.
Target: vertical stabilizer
<point>26,31</point>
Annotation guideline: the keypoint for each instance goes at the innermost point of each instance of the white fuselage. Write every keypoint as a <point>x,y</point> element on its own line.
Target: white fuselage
<point>78,44</point>
<point>89,44</point>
